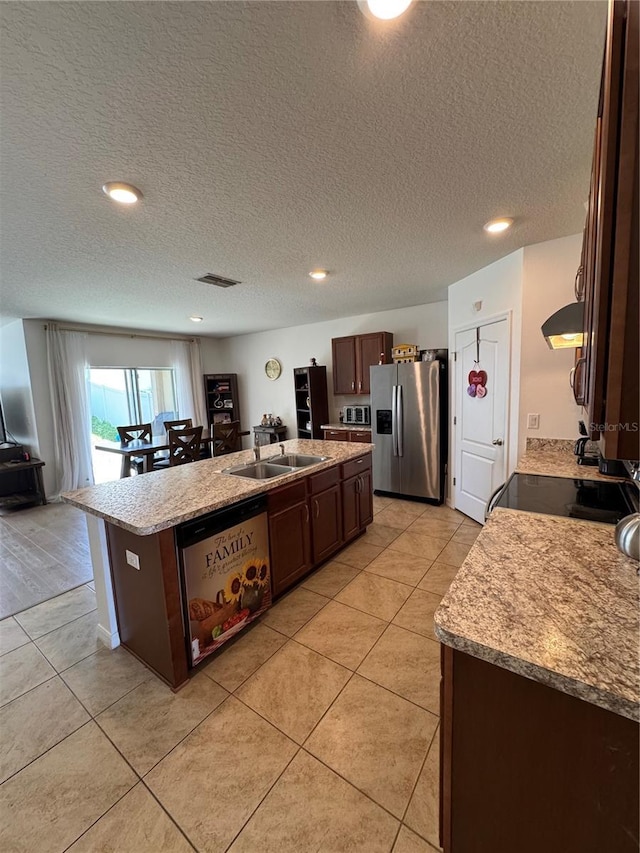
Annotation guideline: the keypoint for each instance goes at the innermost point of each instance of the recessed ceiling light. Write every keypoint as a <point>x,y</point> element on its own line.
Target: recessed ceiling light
<point>195,319</point>
<point>495,226</point>
<point>384,10</point>
<point>123,193</point>
<point>318,275</point>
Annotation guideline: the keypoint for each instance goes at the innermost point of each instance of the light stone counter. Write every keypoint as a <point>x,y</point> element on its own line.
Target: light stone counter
<point>554,457</point>
<point>551,599</point>
<point>152,502</point>
<point>348,427</point>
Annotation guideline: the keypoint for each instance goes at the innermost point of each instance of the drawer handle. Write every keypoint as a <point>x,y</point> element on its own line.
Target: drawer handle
<point>360,385</point>
<point>353,386</point>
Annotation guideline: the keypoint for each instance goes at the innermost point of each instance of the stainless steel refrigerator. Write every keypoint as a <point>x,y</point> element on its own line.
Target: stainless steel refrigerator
<point>409,425</point>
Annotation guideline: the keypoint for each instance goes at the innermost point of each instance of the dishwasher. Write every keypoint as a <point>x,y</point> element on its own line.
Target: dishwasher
<point>225,576</point>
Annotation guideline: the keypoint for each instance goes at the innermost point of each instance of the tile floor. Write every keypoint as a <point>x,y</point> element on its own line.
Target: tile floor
<point>315,730</point>
<point>44,552</point>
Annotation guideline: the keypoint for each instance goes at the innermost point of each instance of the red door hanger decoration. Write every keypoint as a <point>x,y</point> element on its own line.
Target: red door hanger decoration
<point>477,378</point>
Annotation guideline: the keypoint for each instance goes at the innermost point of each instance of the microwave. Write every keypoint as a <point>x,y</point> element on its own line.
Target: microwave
<point>356,415</point>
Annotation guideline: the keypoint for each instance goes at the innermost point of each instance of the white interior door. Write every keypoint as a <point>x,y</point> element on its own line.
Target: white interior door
<point>481,421</point>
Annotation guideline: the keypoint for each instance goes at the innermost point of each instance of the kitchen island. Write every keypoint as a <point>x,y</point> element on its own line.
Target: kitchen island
<point>540,699</point>
<point>132,527</point>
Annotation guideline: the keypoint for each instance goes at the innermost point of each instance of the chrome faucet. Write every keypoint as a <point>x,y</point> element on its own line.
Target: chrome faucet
<point>282,450</point>
<point>256,448</point>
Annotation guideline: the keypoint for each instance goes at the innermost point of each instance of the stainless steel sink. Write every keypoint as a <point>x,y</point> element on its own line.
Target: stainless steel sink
<point>259,470</point>
<point>295,460</point>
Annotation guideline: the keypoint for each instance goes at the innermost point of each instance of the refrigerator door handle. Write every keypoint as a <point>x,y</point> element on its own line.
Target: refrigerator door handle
<point>399,421</point>
<point>394,419</point>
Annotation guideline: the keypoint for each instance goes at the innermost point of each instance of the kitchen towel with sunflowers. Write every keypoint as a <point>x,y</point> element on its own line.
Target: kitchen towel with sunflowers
<point>227,584</point>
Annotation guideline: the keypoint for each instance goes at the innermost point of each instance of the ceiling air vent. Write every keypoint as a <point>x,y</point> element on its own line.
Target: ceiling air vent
<point>218,280</point>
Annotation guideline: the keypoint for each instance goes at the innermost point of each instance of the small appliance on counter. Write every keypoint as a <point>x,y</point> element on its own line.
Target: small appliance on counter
<point>585,449</point>
<point>356,415</point>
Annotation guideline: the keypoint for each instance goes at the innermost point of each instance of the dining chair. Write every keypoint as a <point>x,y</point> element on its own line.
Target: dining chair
<point>129,433</point>
<point>162,459</point>
<point>185,423</point>
<point>226,438</point>
<point>184,445</point>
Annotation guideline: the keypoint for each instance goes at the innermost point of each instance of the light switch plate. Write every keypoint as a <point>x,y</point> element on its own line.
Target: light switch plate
<point>132,559</point>
<point>533,421</point>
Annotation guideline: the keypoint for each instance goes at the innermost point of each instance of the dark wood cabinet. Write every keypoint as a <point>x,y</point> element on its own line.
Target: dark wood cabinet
<point>357,496</point>
<point>363,435</point>
<point>312,409</point>
<point>353,356</point>
<point>221,396</point>
<point>606,372</point>
<point>289,536</point>
<point>307,518</point>
<point>525,767</point>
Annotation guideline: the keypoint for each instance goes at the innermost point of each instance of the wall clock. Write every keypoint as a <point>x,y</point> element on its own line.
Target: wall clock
<point>273,368</point>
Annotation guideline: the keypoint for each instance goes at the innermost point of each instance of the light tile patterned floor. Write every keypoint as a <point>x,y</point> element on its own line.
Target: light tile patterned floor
<point>316,729</point>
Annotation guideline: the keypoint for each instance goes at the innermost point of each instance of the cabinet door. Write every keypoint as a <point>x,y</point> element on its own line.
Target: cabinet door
<point>326,523</point>
<point>290,546</point>
<point>344,365</point>
<point>350,510</point>
<point>336,435</point>
<point>364,436</point>
<point>368,352</point>
<point>365,499</point>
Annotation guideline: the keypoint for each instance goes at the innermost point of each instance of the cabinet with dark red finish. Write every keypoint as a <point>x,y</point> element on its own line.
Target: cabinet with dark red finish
<point>606,378</point>
<point>357,496</point>
<point>325,509</point>
<point>353,356</point>
<point>289,535</point>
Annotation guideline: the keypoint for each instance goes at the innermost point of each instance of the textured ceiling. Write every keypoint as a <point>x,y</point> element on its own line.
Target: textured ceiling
<point>270,138</point>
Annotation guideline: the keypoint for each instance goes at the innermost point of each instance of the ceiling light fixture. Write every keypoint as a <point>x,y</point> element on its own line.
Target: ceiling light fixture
<point>123,193</point>
<point>195,319</point>
<point>384,10</point>
<point>318,275</point>
<point>496,226</point>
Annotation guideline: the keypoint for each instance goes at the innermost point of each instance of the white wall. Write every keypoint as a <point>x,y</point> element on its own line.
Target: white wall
<point>549,272</point>
<point>246,355</point>
<point>499,288</point>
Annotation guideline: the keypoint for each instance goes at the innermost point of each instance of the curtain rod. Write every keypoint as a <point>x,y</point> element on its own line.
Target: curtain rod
<point>91,331</point>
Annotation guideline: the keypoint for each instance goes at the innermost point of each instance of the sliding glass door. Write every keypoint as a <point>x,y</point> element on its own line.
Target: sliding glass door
<point>123,396</point>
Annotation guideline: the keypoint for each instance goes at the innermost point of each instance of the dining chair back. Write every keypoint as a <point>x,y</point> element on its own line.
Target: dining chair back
<point>184,445</point>
<point>131,433</point>
<point>226,438</point>
<point>185,423</point>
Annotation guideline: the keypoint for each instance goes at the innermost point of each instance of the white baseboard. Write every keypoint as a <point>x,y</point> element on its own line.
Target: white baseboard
<point>111,641</point>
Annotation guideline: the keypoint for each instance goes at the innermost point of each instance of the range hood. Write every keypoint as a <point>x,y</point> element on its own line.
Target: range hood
<point>565,328</point>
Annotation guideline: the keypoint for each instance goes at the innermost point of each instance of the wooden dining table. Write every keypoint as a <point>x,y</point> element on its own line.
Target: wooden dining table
<point>147,449</point>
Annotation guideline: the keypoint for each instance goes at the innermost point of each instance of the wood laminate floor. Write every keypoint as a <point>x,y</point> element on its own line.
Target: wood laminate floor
<point>44,552</point>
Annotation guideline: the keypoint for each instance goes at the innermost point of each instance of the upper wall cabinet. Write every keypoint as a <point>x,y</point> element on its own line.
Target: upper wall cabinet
<point>352,358</point>
<point>606,375</point>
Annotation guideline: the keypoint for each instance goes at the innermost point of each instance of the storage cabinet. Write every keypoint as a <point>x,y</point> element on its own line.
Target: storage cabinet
<point>353,356</point>
<point>357,496</point>
<point>513,749</point>
<point>348,435</point>
<point>221,395</point>
<point>307,519</point>
<point>606,372</point>
<point>310,389</point>
<point>289,535</point>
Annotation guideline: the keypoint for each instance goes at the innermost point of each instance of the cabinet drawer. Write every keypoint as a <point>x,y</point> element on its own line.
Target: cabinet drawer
<point>323,480</point>
<point>336,435</point>
<point>287,496</point>
<point>356,466</point>
<point>364,436</point>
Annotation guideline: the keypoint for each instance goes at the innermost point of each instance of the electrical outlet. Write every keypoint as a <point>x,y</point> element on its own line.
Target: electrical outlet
<point>132,559</point>
<point>533,421</point>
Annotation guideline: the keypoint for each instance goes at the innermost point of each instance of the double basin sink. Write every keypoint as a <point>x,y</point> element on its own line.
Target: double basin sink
<point>275,466</point>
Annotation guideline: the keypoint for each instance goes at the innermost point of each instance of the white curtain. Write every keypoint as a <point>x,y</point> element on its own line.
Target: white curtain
<point>67,360</point>
<point>188,366</point>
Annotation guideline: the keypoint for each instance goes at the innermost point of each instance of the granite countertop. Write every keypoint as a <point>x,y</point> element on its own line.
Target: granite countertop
<point>551,599</point>
<point>554,457</point>
<point>348,427</point>
<point>161,499</point>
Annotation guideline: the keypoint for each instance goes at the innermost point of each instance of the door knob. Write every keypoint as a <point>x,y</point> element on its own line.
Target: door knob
<point>497,441</point>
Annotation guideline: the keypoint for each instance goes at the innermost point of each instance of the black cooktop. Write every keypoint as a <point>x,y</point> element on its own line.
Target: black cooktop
<point>590,500</point>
